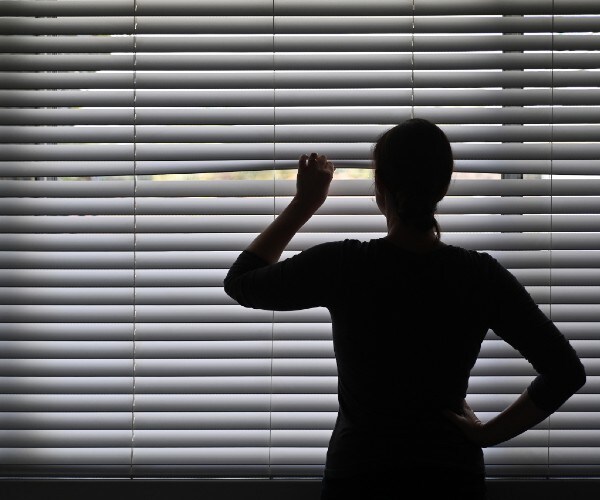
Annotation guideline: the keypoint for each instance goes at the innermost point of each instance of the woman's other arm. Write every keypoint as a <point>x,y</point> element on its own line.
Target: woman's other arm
<point>561,375</point>
<point>517,319</point>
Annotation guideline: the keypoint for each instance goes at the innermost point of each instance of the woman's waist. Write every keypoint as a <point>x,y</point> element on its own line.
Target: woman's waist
<point>387,435</point>
<point>355,450</point>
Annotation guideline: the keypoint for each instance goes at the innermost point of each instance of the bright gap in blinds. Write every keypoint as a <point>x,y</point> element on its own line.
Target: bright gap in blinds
<point>222,391</point>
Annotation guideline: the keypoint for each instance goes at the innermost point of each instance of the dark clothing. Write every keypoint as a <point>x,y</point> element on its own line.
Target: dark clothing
<point>426,483</point>
<point>407,329</point>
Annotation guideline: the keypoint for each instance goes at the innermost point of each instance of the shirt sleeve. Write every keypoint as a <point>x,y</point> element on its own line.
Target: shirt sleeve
<point>307,279</point>
<point>517,319</point>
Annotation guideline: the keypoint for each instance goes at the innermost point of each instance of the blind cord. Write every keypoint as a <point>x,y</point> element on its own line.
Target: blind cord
<point>270,469</point>
<point>551,194</point>
<point>135,7</point>
<point>412,63</point>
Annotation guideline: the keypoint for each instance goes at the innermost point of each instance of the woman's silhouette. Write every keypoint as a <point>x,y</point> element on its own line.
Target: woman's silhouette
<point>409,314</point>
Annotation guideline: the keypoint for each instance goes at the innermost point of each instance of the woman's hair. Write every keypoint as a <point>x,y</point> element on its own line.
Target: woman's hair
<point>414,162</point>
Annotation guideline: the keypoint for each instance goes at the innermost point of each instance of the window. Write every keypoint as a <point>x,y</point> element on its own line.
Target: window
<point>144,144</point>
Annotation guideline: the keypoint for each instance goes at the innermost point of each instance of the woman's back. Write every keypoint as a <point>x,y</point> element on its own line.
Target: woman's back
<point>407,329</point>
<point>417,318</point>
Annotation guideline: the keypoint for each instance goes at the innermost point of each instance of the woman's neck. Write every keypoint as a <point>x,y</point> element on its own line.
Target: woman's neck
<point>409,239</point>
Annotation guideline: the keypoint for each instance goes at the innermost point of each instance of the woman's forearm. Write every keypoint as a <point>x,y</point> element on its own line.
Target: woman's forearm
<point>270,243</point>
<point>520,416</point>
<point>315,173</point>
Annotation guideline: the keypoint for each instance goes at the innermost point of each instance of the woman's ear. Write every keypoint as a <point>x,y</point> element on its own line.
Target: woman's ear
<point>379,187</point>
<point>380,194</point>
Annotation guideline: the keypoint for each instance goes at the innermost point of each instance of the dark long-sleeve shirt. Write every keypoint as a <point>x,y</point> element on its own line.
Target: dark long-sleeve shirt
<point>407,330</point>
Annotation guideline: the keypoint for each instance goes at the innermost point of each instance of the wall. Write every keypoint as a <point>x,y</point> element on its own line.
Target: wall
<point>278,489</point>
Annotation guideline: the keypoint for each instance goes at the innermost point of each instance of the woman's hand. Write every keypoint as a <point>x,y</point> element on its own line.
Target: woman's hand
<point>314,176</point>
<point>469,424</point>
<point>522,415</point>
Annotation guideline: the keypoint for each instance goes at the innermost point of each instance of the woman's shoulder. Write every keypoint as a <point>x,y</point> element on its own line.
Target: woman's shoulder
<point>379,248</point>
<point>458,251</point>
<point>343,245</point>
<point>477,266</point>
<point>348,251</point>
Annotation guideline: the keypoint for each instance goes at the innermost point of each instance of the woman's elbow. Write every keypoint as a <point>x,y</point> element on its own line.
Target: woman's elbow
<point>575,378</point>
<point>580,378</point>
<point>233,289</point>
<point>229,287</point>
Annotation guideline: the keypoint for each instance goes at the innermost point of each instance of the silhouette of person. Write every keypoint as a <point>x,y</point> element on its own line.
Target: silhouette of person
<point>409,314</point>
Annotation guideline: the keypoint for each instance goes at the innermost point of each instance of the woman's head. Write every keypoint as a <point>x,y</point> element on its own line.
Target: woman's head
<point>413,161</point>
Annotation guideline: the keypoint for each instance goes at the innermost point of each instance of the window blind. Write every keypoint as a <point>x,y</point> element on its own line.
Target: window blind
<point>144,144</point>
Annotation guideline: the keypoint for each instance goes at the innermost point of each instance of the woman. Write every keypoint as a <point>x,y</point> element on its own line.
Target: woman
<point>409,314</point>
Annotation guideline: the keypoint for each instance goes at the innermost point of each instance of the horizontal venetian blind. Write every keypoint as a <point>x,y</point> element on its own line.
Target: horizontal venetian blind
<point>144,144</point>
